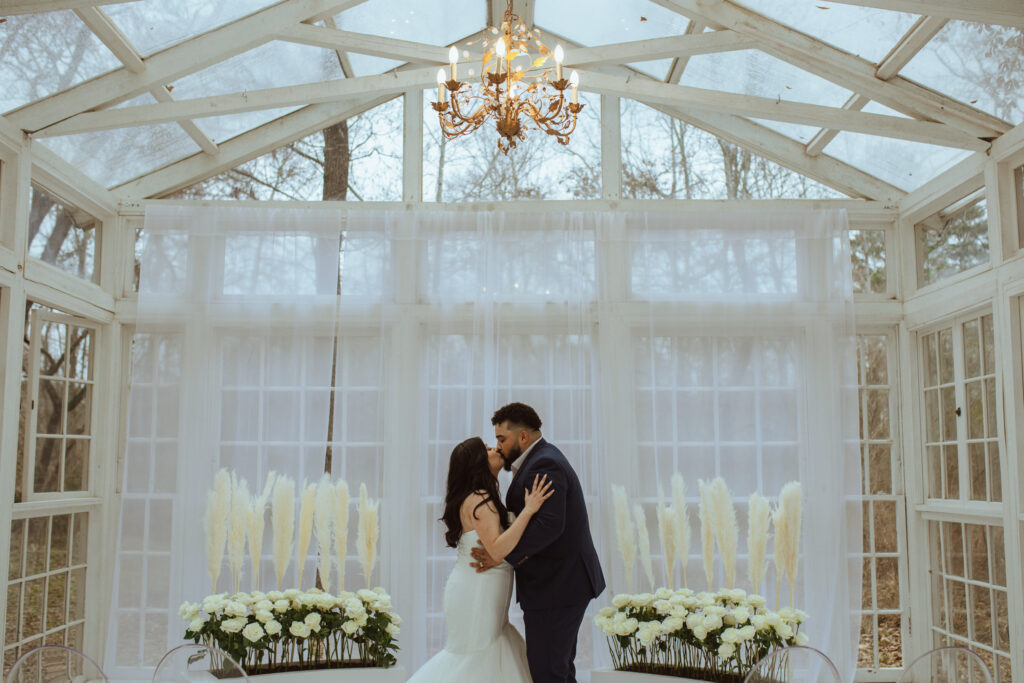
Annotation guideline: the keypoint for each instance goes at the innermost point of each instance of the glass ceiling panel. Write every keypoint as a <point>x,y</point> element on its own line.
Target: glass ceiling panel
<point>863,31</point>
<point>368,65</point>
<point>657,68</point>
<point>153,25</point>
<point>793,131</point>
<point>752,72</point>
<point>438,22</point>
<point>907,165</point>
<point>41,54</point>
<point>979,64</point>
<point>110,157</point>
<point>600,22</point>
<point>221,128</point>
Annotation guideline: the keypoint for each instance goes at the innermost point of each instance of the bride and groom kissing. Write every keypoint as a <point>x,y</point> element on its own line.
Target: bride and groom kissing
<point>548,548</point>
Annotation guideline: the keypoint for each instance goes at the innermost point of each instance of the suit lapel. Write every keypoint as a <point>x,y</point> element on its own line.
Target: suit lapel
<point>522,468</point>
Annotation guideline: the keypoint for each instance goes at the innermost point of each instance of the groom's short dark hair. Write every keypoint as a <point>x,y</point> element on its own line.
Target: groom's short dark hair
<point>518,414</point>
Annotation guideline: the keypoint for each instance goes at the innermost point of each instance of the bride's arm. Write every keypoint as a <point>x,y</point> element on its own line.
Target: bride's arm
<point>485,521</point>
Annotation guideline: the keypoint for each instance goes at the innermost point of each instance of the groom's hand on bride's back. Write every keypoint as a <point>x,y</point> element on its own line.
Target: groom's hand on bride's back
<point>484,561</point>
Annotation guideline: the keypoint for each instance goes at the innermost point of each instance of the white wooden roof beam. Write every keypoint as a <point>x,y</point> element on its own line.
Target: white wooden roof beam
<point>243,148</point>
<point>11,7</point>
<point>168,65</point>
<point>675,72</point>
<point>362,43</point>
<point>1003,12</point>
<point>118,43</point>
<point>659,48</point>
<point>923,30</point>
<point>842,68</point>
<point>390,83</point>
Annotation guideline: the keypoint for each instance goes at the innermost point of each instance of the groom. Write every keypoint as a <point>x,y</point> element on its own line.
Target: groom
<point>556,566</point>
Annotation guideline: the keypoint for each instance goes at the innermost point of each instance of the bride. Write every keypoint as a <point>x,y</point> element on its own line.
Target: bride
<point>482,644</point>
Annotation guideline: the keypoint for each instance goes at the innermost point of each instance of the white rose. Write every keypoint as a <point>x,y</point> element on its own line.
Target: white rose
<point>350,627</point>
<point>291,594</point>
<point>801,639</point>
<point>645,636</point>
<point>396,620</point>
<point>712,622</point>
<point>258,595</point>
<point>759,622</point>
<point>281,606</point>
<point>756,601</point>
<point>730,635</point>
<point>787,614</point>
<point>263,616</point>
<point>671,625</point>
<point>366,595</point>
<point>607,612</point>
<point>312,620</point>
<point>726,650</point>
<point>235,609</point>
<point>741,614</point>
<point>737,595</point>
<point>360,619</point>
<point>748,632</point>
<point>253,632</point>
<point>715,610</point>
<point>243,598</point>
<point>274,596</point>
<point>700,633</point>
<point>774,619</point>
<point>693,620</point>
<point>393,630</point>
<point>662,606</point>
<point>272,627</point>
<point>784,630</point>
<point>233,625</point>
<point>801,616</point>
<point>621,600</point>
<point>264,605</point>
<point>642,600</point>
<point>299,629</point>
<point>214,603</point>
<point>197,624</point>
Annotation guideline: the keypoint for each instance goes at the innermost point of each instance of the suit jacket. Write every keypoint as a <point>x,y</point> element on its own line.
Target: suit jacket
<point>555,562</point>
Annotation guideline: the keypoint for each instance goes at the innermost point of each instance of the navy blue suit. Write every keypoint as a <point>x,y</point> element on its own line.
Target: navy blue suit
<point>556,566</point>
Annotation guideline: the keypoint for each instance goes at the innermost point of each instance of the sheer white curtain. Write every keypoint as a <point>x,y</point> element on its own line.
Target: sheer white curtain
<point>705,343</point>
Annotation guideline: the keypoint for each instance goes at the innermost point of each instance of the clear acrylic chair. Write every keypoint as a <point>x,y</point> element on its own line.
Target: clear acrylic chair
<point>193,662</point>
<point>795,664</point>
<point>948,664</point>
<point>54,664</point>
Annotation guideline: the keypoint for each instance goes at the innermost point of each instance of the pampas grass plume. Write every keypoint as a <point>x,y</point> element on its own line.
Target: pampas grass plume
<point>215,523</point>
<point>790,511</point>
<point>323,518</point>
<point>257,523</point>
<point>238,528</point>
<point>644,542</point>
<point>758,513</point>
<point>681,523</point>
<point>666,532</point>
<point>369,530</point>
<point>624,533</point>
<point>727,531</point>
<point>306,506</point>
<point>283,521</point>
<point>341,498</point>
<point>707,530</point>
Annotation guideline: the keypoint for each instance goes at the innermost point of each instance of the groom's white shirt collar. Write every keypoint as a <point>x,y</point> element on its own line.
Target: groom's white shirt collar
<point>518,462</point>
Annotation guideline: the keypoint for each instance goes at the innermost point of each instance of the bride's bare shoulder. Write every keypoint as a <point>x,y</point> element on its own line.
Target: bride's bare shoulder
<point>475,504</point>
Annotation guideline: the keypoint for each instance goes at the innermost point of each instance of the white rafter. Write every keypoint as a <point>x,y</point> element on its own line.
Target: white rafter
<point>180,60</point>
<point>361,43</point>
<point>12,7</point>
<point>675,72</point>
<point>1004,12</point>
<point>686,45</point>
<point>392,82</point>
<point>118,43</point>
<point>923,30</point>
<point>844,69</point>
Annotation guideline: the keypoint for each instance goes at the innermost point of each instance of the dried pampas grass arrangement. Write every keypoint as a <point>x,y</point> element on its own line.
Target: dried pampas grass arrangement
<point>215,523</point>
<point>340,511</point>
<point>643,540</point>
<point>787,536</point>
<point>667,535</point>
<point>624,533</point>
<point>727,531</point>
<point>238,528</point>
<point>306,505</point>
<point>758,517</point>
<point>707,531</point>
<point>283,523</point>
<point>369,530</point>
<point>323,517</point>
<point>257,523</point>
<point>681,523</point>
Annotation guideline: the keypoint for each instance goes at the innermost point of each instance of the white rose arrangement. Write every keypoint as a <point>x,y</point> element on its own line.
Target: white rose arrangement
<point>289,630</point>
<point>709,636</point>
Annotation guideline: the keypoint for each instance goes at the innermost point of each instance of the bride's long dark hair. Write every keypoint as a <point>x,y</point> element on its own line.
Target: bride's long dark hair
<point>468,473</point>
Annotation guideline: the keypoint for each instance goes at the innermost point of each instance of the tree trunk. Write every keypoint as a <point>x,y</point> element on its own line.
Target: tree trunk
<point>56,240</point>
<point>41,205</point>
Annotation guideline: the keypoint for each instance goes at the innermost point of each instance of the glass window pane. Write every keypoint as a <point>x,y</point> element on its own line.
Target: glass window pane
<point>953,240</point>
<point>154,25</point>
<point>62,235</point>
<point>867,256</point>
<point>608,21</point>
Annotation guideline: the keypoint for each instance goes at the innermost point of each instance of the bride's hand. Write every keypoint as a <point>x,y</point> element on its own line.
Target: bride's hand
<point>536,496</point>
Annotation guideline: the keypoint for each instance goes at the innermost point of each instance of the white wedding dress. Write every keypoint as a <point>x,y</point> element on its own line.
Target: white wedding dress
<point>482,645</point>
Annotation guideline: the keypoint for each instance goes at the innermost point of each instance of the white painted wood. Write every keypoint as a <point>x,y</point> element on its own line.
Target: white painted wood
<point>1004,12</point>
<point>944,189</point>
<point>254,100</point>
<point>242,148</point>
<point>12,7</point>
<point>111,35</point>
<point>686,45</point>
<point>951,297</point>
<point>816,145</point>
<point>174,62</point>
<point>163,94</point>
<point>999,208</point>
<point>54,287</point>
<point>675,72</point>
<point>69,183</point>
<point>778,110</point>
<point>923,30</point>
<point>611,148</point>
<point>412,146</point>
<point>844,69</point>
<point>1008,144</point>
<point>364,44</point>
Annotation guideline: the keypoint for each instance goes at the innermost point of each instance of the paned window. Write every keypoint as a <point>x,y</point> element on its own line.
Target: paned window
<point>954,239</point>
<point>867,258</point>
<point>882,603</point>
<point>63,235</point>
<point>46,583</point>
<point>960,426</point>
<point>968,591</point>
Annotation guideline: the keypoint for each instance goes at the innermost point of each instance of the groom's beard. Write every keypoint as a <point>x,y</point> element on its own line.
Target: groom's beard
<point>513,454</point>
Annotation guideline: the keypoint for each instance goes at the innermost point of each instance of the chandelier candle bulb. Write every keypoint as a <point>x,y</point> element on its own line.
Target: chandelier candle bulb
<point>440,85</point>
<point>453,59</point>
<point>574,81</point>
<point>559,56</point>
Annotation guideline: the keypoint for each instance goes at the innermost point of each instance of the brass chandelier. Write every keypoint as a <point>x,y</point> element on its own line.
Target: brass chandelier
<point>504,93</point>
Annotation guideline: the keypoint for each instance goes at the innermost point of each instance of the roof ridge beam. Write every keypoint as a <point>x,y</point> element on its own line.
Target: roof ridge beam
<point>1001,12</point>
<point>685,45</point>
<point>179,60</point>
<point>847,70</point>
<point>923,30</point>
<point>364,44</point>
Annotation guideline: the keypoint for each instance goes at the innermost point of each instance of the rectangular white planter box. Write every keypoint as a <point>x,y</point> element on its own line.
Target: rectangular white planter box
<point>395,674</point>
<point>613,676</point>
